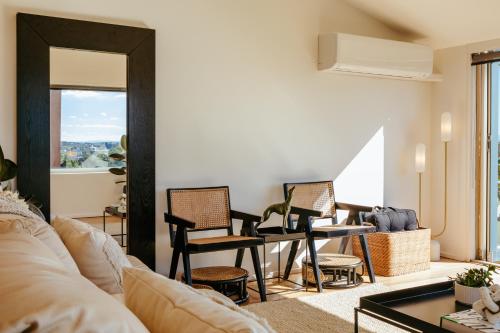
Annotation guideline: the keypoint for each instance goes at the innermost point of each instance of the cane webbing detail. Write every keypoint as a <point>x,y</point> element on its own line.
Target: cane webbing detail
<point>317,196</point>
<point>207,208</point>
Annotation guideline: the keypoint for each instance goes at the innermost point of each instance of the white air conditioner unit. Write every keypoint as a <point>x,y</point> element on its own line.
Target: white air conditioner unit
<point>374,56</point>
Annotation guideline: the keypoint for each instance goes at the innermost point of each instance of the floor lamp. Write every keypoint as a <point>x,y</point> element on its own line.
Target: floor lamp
<point>420,168</point>
<point>445,138</point>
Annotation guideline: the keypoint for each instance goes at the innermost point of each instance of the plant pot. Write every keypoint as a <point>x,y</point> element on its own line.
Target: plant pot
<point>466,295</point>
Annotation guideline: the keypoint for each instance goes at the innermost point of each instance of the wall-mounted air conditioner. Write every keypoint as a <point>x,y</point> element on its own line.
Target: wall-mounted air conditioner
<point>374,56</point>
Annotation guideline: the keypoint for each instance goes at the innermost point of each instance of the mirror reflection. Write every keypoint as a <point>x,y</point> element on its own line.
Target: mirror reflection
<point>88,111</point>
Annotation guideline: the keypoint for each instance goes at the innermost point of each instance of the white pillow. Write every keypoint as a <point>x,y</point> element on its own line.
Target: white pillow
<point>165,305</point>
<point>98,256</point>
<point>40,229</point>
<point>38,294</point>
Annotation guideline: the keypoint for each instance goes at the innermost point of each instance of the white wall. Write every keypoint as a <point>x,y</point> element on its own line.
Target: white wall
<point>454,95</point>
<point>240,102</point>
<point>83,194</point>
<point>70,67</point>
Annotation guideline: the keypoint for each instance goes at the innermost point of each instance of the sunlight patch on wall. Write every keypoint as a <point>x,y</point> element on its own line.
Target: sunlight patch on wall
<point>362,180</point>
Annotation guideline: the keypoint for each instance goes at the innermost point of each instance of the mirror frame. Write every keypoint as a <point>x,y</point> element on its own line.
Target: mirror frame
<point>35,35</point>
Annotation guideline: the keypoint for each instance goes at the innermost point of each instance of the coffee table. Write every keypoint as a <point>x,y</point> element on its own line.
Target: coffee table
<point>416,309</point>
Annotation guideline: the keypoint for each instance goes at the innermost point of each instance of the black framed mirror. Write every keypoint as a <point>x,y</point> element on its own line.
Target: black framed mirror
<point>35,36</point>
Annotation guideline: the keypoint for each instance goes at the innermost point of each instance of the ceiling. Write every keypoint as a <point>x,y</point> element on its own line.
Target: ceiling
<point>438,23</point>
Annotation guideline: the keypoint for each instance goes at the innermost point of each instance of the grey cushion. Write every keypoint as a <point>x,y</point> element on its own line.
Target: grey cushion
<point>392,219</point>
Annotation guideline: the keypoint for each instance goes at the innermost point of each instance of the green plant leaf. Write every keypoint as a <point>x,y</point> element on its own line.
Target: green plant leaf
<point>9,170</point>
<point>2,162</point>
<point>118,171</point>
<point>118,157</point>
<point>123,142</point>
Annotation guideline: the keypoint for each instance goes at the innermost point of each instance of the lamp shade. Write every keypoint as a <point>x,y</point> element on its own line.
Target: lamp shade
<point>446,127</point>
<point>420,158</point>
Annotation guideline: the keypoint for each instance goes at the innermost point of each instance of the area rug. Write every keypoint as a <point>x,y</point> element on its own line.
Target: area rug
<point>332,312</point>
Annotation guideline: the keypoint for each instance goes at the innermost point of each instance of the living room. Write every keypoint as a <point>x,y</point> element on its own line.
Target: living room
<point>252,120</point>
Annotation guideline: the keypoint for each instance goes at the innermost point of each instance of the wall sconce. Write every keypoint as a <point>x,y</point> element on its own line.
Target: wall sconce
<point>420,168</point>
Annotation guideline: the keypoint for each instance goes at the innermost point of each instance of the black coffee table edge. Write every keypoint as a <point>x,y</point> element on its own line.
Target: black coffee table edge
<point>377,306</point>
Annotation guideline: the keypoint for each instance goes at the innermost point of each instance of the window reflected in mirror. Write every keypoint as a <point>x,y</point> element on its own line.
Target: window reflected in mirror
<point>88,127</point>
<point>91,124</point>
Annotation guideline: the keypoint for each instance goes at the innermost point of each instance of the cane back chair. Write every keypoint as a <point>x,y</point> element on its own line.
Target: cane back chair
<point>204,209</point>
<point>316,200</point>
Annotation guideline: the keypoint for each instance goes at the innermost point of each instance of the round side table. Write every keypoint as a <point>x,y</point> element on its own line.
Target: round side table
<point>339,270</point>
<point>230,281</point>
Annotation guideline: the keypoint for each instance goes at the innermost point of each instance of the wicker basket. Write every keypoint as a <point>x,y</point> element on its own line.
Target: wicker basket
<point>397,253</point>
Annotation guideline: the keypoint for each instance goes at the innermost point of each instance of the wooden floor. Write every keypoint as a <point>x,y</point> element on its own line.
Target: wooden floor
<point>439,271</point>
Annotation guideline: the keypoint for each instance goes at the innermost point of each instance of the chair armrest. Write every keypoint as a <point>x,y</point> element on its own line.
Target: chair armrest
<point>245,216</point>
<point>352,207</point>
<point>169,218</point>
<point>305,212</point>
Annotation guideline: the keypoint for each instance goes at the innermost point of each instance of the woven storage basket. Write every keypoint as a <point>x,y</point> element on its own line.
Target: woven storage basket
<point>397,253</point>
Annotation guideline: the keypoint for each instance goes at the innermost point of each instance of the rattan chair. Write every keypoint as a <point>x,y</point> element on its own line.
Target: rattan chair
<point>315,200</point>
<point>202,209</point>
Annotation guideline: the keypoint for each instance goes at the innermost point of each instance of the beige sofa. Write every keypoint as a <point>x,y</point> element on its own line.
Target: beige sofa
<point>42,290</point>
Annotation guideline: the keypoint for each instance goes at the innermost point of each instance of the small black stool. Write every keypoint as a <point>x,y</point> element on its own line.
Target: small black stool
<point>339,270</point>
<point>229,281</point>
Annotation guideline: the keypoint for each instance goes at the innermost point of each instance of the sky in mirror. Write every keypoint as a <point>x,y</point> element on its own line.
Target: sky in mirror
<point>93,116</point>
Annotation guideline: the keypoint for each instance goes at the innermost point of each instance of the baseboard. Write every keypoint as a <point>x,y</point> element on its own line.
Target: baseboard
<point>78,215</point>
<point>451,256</point>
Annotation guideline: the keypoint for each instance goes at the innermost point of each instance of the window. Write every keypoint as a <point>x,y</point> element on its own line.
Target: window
<point>86,127</point>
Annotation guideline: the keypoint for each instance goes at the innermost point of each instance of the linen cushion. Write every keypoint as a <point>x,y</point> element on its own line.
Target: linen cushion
<point>98,256</point>
<point>38,294</point>
<point>165,305</point>
<point>40,229</point>
<point>137,263</point>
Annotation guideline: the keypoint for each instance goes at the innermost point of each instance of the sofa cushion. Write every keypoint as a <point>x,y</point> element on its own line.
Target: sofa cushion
<point>98,256</point>
<point>137,263</point>
<point>165,305</point>
<point>40,229</point>
<point>39,294</point>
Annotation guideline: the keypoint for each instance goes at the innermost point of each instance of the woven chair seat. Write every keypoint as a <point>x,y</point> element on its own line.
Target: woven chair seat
<point>223,242</point>
<point>218,273</point>
<point>341,230</point>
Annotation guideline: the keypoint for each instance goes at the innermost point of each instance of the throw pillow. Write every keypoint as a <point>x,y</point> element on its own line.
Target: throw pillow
<point>165,305</point>
<point>412,222</point>
<point>98,256</point>
<point>38,294</point>
<point>38,228</point>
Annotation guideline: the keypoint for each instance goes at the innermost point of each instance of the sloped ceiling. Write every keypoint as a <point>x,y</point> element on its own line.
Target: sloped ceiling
<point>438,23</point>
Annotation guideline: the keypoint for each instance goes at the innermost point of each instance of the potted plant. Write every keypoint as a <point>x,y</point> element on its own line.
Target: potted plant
<point>467,284</point>
<point>8,171</point>
<point>122,171</point>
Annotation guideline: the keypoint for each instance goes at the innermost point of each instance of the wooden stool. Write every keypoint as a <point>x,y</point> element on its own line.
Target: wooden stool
<point>230,281</point>
<point>339,270</point>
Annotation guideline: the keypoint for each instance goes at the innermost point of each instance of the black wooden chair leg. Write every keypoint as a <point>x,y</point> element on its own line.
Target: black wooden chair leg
<point>314,263</point>
<point>343,245</point>
<point>174,263</point>
<point>258,273</point>
<point>239,257</point>
<point>367,256</point>
<point>291,258</point>
<point>187,268</point>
